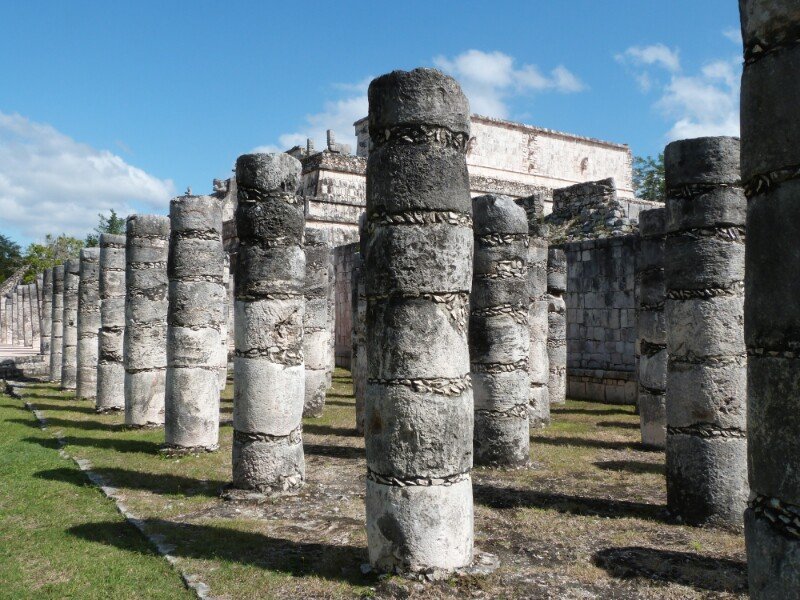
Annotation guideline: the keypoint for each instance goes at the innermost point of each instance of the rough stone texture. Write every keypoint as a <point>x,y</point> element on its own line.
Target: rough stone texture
<point>146,307</point>
<point>56,323</point>
<point>588,210</point>
<point>499,336</point>
<point>651,292</point>
<point>27,316</point>
<point>194,323</point>
<point>316,322</point>
<point>36,323</point>
<point>88,323</point>
<point>270,276</point>
<point>358,359</point>
<point>418,277</point>
<point>601,320</point>
<point>770,154</point>
<point>69,346</point>
<point>110,365</point>
<point>46,313</point>
<point>556,326</point>
<point>704,271</point>
<point>227,309</point>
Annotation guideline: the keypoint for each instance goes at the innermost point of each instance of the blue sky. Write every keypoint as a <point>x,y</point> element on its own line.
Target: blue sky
<point>124,104</point>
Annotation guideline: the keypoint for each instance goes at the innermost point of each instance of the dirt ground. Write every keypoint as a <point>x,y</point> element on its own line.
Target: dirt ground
<point>587,520</point>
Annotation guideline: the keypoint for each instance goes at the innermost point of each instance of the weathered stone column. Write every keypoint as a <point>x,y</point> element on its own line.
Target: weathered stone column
<point>9,323</point>
<point>771,175</point>
<point>316,325</point>
<point>330,367</point>
<point>18,335</point>
<point>499,338</point>
<point>57,323</point>
<point>269,376</point>
<point>706,372</point>
<point>47,313</point>
<point>69,346</point>
<point>196,301</point>
<point>651,328</point>
<point>146,303</point>
<point>227,308</point>
<point>556,326</point>
<point>110,363</point>
<point>88,323</point>
<point>538,323</point>
<point>358,355</point>
<point>36,318</point>
<point>3,320</point>
<point>418,277</point>
<point>27,317</point>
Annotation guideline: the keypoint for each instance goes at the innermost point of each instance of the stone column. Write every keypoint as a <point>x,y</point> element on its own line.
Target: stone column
<point>316,322</point>
<point>269,376</point>
<point>222,371</point>
<point>358,354</point>
<point>499,338</point>
<point>36,317</point>
<point>110,363</point>
<point>196,300</point>
<point>19,338</point>
<point>27,317</point>
<point>418,277</point>
<point>330,367</point>
<point>706,372</point>
<point>651,328</point>
<point>770,159</point>
<point>69,346</point>
<point>56,323</point>
<point>556,326</point>
<point>9,322</point>
<point>3,320</point>
<point>88,323</point>
<point>145,338</point>
<point>538,325</point>
<point>47,313</point>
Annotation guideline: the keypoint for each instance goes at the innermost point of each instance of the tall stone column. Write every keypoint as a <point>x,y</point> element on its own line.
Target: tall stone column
<point>418,277</point>
<point>47,313</point>
<point>3,320</point>
<point>770,161</point>
<point>358,355</point>
<point>69,346</point>
<point>538,324</point>
<point>57,323</point>
<point>499,338</point>
<point>27,317</point>
<point>18,336</point>
<point>227,308</point>
<point>652,330</point>
<point>110,363</point>
<point>88,323</point>
<point>269,376</point>
<point>146,303</point>
<point>36,318</point>
<point>196,301</point>
<point>330,367</point>
<point>316,325</point>
<point>9,326</point>
<point>556,326</point>
<point>706,373</point>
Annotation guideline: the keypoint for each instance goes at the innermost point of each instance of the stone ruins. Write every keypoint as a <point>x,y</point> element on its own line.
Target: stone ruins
<point>468,292</point>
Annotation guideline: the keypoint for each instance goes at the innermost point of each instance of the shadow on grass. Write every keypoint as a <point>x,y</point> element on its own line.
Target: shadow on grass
<point>87,410</point>
<point>590,443</point>
<point>632,466</point>
<point>503,498</point>
<point>158,483</point>
<point>337,403</point>
<point>685,568</point>
<point>87,425</point>
<point>603,412</point>
<point>318,429</point>
<point>207,542</point>
<point>348,452</point>
<point>120,445</point>
<point>618,424</point>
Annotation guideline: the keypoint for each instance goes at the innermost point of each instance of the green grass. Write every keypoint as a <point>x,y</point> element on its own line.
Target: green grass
<point>40,555</point>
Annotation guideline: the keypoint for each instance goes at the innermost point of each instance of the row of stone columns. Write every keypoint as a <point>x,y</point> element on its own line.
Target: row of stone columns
<point>21,314</point>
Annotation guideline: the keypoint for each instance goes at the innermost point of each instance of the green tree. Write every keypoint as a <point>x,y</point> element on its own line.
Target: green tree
<point>53,251</point>
<point>648,177</point>
<point>110,224</point>
<point>10,257</point>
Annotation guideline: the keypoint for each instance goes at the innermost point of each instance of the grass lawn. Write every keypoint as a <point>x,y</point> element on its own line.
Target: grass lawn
<point>587,520</point>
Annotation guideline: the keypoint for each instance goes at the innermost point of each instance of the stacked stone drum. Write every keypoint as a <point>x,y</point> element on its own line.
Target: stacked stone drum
<point>56,323</point>
<point>556,326</point>
<point>69,345</point>
<point>88,323</point>
<point>316,328</point>
<point>110,364</point>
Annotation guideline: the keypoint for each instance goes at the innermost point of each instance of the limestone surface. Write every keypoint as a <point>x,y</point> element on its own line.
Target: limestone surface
<point>47,312</point>
<point>556,326</point>
<point>704,270</point>
<point>111,366</point>
<point>69,346</point>
<point>88,323</point>
<point>194,323</point>
<point>316,326</point>
<point>270,277</point>
<point>418,274</point>
<point>56,323</point>
<point>146,305</point>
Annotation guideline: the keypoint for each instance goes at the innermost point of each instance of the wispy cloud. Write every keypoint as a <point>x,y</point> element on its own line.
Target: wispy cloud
<point>698,104</point>
<point>734,34</point>
<point>490,79</point>
<point>50,183</point>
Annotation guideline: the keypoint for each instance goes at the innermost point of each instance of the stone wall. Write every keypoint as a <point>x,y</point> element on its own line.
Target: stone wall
<point>343,263</point>
<point>601,319</point>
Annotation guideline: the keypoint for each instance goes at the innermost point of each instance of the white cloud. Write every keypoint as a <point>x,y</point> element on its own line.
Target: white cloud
<point>656,54</point>
<point>489,79</point>
<point>50,183</point>
<point>702,104</point>
<point>734,34</point>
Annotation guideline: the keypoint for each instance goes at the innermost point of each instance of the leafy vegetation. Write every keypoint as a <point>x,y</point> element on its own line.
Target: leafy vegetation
<point>10,257</point>
<point>648,177</point>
